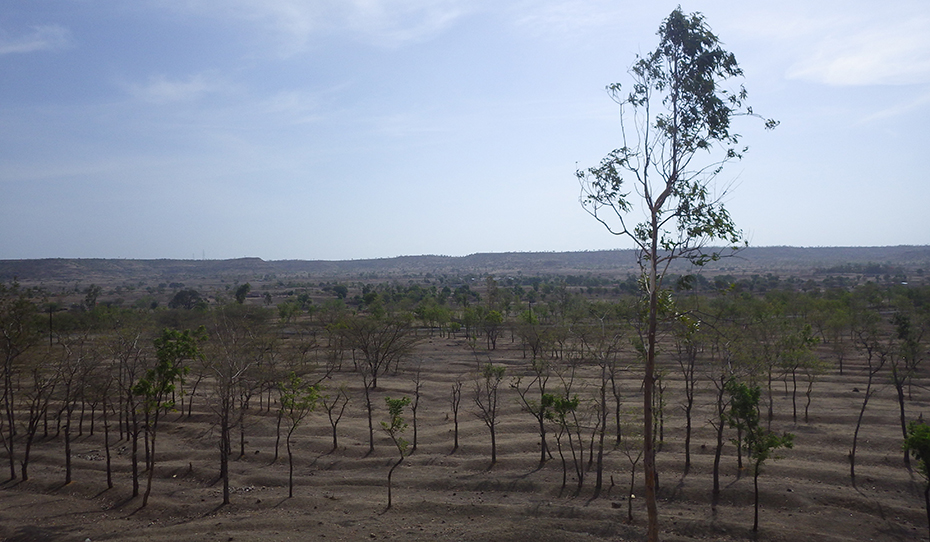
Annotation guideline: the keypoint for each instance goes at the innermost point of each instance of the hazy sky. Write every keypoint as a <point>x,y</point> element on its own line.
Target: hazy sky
<point>348,129</point>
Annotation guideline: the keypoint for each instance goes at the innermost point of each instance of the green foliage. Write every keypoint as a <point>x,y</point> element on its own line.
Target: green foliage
<point>493,373</point>
<point>341,291</point>
<point>559,407</point>
<point>298,398</point>
<point>187,299</point>
<point>242,291</point>
<point>172,349</point>
<point>762,443</point>
<point>743,414</point>
<point>681,109</point>
<point>918,444</point>
<point>397,425</point>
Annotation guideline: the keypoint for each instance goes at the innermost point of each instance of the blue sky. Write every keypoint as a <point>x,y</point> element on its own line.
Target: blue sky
<point>350,129</point>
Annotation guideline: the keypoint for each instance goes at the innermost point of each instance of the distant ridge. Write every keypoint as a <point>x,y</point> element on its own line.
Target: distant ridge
<point>606,262</point>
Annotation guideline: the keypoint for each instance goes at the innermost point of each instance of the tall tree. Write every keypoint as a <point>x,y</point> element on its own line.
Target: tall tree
<point>679,140</point>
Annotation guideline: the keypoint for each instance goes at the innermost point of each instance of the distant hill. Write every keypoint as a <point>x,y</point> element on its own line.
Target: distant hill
<point>757,260</point>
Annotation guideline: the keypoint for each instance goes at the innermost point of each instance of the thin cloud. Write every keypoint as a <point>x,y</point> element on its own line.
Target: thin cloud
<point>892,53</point>
<point>42,38</point>
<point>565,18</point>
<point>918,103</point>
<point>160,89</point>
<point>293,24</point>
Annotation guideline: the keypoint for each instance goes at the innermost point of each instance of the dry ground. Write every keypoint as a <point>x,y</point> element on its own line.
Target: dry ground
<point>439,495</point>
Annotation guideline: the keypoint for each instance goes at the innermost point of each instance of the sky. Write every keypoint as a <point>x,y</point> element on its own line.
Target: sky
<point>356,129</point>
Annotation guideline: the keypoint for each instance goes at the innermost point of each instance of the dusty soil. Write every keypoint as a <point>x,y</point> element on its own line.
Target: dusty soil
<point>440,495</point>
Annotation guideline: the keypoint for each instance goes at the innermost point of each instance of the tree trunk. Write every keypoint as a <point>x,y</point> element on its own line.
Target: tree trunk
<point>225,450</point>
<point>718,450</point>
<point>649,459</point>
<point>493,430</point>
<point>899,387</point>
<point>106,445</point>
<point>68,450</point>
<point>290,466</point>
<point>755,486</point>
<point>371,427</point>
<point>927,502</point>
<point>390,475</point>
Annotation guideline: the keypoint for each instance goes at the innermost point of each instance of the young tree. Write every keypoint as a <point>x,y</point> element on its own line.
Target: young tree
<point>455,400</point>
<point>869,339</point>
<point>298,399</point>
<point>18,333</point>
<point>486,399</point>
<point>37,395</point>
<point>904,363</point>
<point>680,140</point>
<point>394,429</point>
<point>335,407</point>
<point>687,347</point>
<point>742,415</point>
<point>381,343</point>
<point>632,448</point>
<point>562,412</point>
<point>126,348</point>
<point>760,443</point>
<point>538,408</point>
<point>918,444</point>
<point>172,350</point>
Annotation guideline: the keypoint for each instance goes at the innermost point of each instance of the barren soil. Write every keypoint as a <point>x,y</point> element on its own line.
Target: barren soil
<point>439,495</point>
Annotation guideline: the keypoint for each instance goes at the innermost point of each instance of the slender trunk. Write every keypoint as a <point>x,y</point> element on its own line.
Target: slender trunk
<point>927,502</point>
<point>739,451</point>
<point>602,433</point>
<point>148,483</point>
<point>771,397</point>
<point>290,465</point>
<point>649,465</point>
<point>455,430</point>
<point>24,464</point>
<point>68,450</point>
<point>852,452</point>
<point>629,497</point>
<point>106,444</point>
<point>899,387</point>
<point>493,430</point>
<point>390,475</point>
<point>543,447</point>
<point>242,430</point>
<point>755,486</point>
<point>277,440</point>
<point>81,418</point>
<point>371,427</point>
<point>10,416</point>
<point>133,432</point>
<point>718,450</point>
<point>688,432</point>
<point>807,406</point>
<point>225,450</point>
